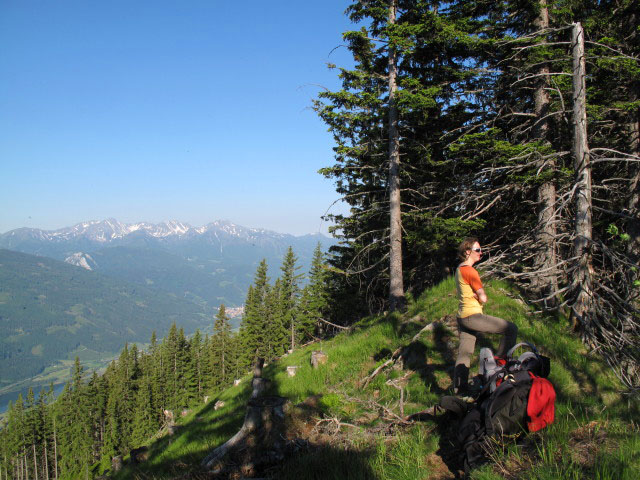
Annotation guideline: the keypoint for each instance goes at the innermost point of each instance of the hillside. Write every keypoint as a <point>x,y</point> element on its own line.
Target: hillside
<point>344,431</point>
<point>51,311</point>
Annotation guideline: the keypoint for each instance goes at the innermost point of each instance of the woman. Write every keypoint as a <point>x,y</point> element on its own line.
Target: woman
<point>471,320</point>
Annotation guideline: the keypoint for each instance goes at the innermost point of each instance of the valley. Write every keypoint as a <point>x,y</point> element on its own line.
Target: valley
<point>87,290</point>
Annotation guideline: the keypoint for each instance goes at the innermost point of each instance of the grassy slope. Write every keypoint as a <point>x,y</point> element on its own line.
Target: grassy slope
<point>595,434</point>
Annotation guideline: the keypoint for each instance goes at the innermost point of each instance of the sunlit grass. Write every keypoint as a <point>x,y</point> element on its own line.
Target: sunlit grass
<point>595,434</point>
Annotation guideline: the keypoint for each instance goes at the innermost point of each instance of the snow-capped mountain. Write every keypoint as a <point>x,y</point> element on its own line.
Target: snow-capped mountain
<point>214,263</point>
<point>108,230</point>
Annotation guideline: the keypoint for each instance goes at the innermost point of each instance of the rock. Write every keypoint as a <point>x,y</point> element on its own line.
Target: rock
<point>291,370</point>
<point>218,405</point>
<point>318,358</point>
<point>236,382</point>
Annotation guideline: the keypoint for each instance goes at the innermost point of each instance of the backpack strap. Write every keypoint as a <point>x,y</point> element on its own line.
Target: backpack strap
<point>522,344</point>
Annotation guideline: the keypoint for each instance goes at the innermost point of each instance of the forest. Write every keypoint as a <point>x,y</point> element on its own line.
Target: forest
<point>513,121</point>
<point>516,121</point>
<point>98,417</point>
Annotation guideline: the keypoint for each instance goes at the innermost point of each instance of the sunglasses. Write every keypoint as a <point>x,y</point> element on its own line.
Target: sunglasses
<point>479,250</point>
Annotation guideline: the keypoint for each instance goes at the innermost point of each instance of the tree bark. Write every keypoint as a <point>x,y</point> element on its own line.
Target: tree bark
<point>582,278</point>
<point>546,281</point>
<point>35,462</point>
<point>55,450</point>
<point>396,287</point>
<point>633,205</point>
<point>46,460</point>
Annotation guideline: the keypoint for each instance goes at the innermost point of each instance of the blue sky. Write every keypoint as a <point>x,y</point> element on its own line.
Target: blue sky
<point>157,110</point>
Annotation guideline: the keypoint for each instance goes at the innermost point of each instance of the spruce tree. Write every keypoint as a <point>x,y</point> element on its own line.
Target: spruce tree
<point>314,301</point>
<point>221,347</point>
<point>289,294</point>
<point>254,322</point>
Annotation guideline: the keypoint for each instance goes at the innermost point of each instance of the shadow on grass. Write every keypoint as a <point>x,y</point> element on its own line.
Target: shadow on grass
<point>180,454</point>
<point>328,463</point>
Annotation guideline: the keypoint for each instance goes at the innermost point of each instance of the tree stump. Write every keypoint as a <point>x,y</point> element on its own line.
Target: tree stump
<point>139,455</point>
<point>318,358</point>
<point>261,439</point>
<point>116,463</point>
<point>291,370</point>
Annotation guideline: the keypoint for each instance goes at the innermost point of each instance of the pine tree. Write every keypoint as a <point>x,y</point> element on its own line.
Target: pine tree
<point>427,47</point>
<point>220,347</point>
<point>289,294</point>
<point>74,436</point>
<point>314,301</point>
<point>255,334</point>
<point>275,336</point>
<point>188,375</point>
<point>198,357</point>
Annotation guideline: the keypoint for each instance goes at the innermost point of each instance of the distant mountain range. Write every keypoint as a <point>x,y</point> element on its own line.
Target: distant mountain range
<point>89,288</point>
<point>213,263</point>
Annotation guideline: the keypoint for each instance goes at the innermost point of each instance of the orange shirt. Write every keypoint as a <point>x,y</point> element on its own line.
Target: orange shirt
<point>467,283</point>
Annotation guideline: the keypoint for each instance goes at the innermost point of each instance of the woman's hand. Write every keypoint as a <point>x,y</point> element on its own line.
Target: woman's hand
<point>480,296</point>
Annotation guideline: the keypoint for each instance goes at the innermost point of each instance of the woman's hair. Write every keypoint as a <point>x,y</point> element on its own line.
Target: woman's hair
<point>466,244</point>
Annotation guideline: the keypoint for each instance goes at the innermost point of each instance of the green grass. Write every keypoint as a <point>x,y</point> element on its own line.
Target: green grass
<point>595,434</point>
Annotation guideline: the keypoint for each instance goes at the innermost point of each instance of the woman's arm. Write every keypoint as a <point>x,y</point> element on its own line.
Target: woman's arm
<point>481,296</point>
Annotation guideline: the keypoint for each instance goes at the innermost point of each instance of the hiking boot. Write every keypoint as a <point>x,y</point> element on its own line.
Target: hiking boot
<point>471,389</point>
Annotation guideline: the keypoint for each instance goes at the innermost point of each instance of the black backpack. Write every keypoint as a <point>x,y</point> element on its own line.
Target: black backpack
<point>493,416</point>
<point>500,408</point>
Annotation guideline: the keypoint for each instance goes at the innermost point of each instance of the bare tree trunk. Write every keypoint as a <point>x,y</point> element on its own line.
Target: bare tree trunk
<point>633,205</point>
<point>46,460</point>
<point>546,281</point>
<point>35,462</point>
<point>293,335</point>
<point>396,287</point>
<point>582,278</point>
<point>55,449</point>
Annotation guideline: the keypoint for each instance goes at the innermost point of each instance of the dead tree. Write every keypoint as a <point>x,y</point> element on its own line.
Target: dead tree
<point>582,285</point>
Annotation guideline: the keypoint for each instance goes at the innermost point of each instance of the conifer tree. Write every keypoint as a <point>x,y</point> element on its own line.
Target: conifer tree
<point>314,301</point>
<point>254,322</point>
<point>221,347</point>
<point>275,335</point>
<point>74,435</point>
<point>189,382</point>
<point>198,359</point>
<point>430,50</point>
<point>289,294</point>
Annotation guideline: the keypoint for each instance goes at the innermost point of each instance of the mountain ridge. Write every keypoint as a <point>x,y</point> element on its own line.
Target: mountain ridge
<point>111,229</point>
<point>214,262</point>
